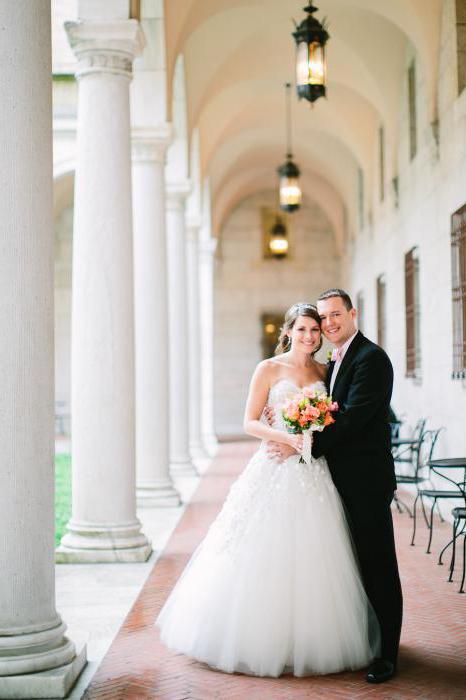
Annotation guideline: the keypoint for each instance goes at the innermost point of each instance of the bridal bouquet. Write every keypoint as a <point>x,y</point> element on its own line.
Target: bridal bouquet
<point>306,412</point>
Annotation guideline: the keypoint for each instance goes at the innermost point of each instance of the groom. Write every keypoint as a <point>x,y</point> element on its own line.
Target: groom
<point>357,448</point>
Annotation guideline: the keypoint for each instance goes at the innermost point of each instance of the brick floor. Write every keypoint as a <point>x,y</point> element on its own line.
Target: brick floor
<point>433,645</point>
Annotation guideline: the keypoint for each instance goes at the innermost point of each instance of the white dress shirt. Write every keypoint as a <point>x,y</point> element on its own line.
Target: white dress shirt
<point>338,354</point>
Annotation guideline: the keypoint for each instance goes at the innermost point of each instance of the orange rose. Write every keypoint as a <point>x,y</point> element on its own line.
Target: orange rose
<point>322,406</point>
<point>328,420</point>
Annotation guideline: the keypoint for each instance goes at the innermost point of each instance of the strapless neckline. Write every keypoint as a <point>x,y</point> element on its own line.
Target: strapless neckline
<point>296,386</point>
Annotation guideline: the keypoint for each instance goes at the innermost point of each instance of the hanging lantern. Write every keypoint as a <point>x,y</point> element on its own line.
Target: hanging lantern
<point>278,243</point>
<point>311,37</point>
<point>289,189</point>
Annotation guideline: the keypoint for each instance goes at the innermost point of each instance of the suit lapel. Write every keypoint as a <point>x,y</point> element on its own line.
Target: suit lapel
<point>328,378</point>
<point>350,353</point>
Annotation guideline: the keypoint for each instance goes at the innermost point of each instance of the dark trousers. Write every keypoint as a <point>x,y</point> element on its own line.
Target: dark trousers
<point>370,521</point>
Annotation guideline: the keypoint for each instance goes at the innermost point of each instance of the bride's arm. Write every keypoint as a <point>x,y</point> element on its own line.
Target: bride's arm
<point>257,398</point>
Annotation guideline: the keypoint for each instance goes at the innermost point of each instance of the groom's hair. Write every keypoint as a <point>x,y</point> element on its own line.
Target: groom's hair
<point>337,293</point>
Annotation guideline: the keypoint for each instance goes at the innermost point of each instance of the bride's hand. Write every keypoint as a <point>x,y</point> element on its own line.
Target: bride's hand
<point>295,441</point>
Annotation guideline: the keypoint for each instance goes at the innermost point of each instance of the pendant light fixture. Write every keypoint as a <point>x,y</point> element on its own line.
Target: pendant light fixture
<point>278,242</point>
<point>311,37</point>
<point>289,189</point>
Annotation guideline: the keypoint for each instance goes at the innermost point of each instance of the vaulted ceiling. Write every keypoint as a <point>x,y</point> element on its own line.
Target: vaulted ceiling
<point>239,53</point>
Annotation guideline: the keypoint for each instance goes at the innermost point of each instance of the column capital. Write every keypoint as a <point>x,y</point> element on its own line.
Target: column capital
<point>150,144</point>
<point>177,193</point>
<point>105,46</point>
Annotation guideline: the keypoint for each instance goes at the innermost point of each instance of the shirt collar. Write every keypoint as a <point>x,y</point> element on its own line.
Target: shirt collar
<point>345,347</point>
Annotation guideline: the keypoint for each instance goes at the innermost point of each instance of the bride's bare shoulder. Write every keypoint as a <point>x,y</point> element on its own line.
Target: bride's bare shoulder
<point>269,369</point>
<point>279,360</point>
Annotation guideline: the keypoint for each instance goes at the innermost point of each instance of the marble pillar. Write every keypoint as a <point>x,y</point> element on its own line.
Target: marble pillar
<point>206,277</point>
<point>179,347</point>
<point>36,657</point>
<point>103,526</point>
<point>196,446</point>
<point>154,484</point>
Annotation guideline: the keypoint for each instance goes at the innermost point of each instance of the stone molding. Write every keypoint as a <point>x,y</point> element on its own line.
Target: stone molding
<point>105,47</point>
<point>150,145</point>
<point>176,195</point>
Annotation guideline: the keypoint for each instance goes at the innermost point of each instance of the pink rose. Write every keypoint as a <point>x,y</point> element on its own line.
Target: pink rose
<point>312,412</point>
<point>310,393</point>
<point>292,410</point>
<point>334,406</point>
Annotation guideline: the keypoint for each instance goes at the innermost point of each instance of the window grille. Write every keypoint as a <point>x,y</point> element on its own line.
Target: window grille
<point>413,314</point>
<point>458,278</point>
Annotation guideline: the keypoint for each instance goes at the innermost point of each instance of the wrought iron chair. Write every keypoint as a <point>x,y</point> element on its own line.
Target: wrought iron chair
<point>459,521</point>
<point>459,514</point>
<point>435,495</point>
<point>409,451</point>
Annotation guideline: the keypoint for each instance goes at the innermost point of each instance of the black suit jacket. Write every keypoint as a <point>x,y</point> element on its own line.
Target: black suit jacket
<point>358,445</point>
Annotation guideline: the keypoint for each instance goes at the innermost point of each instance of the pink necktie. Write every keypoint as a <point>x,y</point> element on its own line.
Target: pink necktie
<point>337,355</point>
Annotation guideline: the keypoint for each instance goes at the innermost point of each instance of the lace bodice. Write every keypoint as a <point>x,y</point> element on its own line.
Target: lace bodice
<point>281,391</point>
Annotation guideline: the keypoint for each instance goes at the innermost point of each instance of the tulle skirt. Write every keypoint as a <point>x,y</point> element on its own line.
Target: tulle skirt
<point>274,587</point>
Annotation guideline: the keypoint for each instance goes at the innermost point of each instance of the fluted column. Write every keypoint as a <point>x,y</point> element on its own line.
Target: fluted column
<point>197,449</point>
<point>206,276</point>
<point>179,346</point>
<point>32,634</point>
<point>103,526</point>
<point>154,484</point>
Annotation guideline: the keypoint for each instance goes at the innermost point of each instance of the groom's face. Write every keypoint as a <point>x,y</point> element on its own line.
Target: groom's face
<point>338,323</point>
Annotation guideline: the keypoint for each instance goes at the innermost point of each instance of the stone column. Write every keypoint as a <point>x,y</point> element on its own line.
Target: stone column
<point>179,347</point>
<point>103,526</point>
<point>154,484</point>
<point>197,449</point>
<point>36,658</point>
<point>206,277</point>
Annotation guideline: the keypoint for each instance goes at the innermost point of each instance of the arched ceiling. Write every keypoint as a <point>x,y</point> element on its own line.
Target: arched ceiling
<point>237,55</point>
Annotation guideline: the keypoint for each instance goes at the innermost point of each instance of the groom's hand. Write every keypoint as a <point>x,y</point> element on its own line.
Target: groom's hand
<point>269,413</point>
<point>278,451</point>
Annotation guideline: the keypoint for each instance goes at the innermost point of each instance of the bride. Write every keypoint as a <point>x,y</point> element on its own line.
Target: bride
<point>274,587</point>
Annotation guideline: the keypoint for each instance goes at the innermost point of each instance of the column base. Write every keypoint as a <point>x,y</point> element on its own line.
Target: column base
<point>55,683</point>
<point>93,544</point>
<point>158,496</point>
<point>211,444</point>
<point>197,450</point>
<point>184,467</point>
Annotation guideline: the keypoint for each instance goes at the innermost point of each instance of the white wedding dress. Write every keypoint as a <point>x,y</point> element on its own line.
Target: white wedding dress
<point>274,586</point>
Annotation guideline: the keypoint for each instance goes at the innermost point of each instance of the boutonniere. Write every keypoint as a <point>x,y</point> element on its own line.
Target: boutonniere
<point>329,355</point>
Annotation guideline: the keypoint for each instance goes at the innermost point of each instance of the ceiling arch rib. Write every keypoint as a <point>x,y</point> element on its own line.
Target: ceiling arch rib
<point>324,156</point>
<point>350,117</point>
<point>257,180</point>
<point>420,26</point>
<point>242,66</point>
<point>408,17</point>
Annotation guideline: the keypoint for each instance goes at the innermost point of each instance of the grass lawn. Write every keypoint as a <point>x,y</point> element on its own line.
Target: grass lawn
<point>62,494</point>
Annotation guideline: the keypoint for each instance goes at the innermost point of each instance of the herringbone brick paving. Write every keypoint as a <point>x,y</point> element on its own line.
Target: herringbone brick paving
<point>433,646</point>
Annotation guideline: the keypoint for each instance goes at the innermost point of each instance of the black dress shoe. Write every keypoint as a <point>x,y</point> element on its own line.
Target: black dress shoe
<point>380,670</point>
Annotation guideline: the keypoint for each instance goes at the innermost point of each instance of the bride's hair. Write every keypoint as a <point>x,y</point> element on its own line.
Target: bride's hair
<point>300,309</point>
